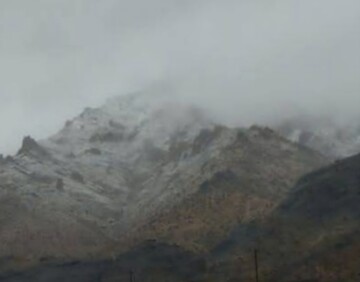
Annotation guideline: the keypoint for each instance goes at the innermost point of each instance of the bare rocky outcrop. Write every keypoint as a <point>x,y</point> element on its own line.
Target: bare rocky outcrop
<point>77,177</point>
<point>59,184</point>
<point>31,147</point>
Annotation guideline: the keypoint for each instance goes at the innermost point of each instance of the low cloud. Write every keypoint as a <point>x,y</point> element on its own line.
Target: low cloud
<point>246,61</point>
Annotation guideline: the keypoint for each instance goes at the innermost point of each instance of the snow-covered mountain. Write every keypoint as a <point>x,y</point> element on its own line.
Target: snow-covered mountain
<point>101,171</point>
<point>113,170</point>
<point>144,167</point>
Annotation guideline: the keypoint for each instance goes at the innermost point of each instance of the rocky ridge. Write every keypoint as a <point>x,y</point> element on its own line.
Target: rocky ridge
<point>112,170</point>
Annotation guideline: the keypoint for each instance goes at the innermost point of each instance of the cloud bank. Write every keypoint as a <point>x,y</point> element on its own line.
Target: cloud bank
<point>247,61</point>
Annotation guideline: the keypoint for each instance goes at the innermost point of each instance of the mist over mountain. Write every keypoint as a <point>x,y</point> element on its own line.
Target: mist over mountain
<point>247,61</point>
<point>143,183</point>
<point>179,140</point>
<point>111,170</point>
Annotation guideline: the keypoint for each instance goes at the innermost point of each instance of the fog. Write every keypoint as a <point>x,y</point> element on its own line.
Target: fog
<point>247,61</point>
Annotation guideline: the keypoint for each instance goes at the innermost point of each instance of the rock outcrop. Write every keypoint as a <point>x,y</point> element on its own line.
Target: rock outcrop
<point>31,147</point>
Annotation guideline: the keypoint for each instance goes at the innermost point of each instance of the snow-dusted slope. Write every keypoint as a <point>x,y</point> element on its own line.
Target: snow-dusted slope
<point>333,139</point>
<point>129,122</point>
<point>117,166</point>
<point>106,168</point>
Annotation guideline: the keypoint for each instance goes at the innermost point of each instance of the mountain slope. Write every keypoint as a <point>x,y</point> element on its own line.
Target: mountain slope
<point>255,173</point>
<point>133,166</point>
<point>312,236</point>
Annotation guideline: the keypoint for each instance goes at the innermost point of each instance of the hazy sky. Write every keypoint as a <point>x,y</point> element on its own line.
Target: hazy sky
<point>246,60</point>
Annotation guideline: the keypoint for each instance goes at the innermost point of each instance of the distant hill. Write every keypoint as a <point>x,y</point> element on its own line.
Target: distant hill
<point>313,235</point>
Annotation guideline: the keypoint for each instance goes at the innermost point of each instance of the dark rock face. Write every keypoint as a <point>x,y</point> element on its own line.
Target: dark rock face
<point>31,147</point>
<point>117,125</point>
<point>93,151</point>
<point>59,184</point>
<point>77,177</point>
<point>9,159</point>
<point>107,137</point>
<point>326,192</point>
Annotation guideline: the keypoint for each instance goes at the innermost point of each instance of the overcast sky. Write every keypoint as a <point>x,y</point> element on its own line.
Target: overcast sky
<point>246,60</point>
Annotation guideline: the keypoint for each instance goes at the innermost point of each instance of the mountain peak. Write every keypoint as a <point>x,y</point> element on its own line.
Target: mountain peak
<point>127,122</point>
<point>30,146</point>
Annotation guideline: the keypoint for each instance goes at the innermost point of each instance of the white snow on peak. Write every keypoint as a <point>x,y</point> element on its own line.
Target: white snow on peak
<point>125,123</point>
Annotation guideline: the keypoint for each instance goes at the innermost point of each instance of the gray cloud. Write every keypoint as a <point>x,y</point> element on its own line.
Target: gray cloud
<point>247,61</point>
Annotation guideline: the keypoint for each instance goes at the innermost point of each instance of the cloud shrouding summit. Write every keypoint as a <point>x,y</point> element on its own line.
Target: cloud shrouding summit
<point>247,61</point>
